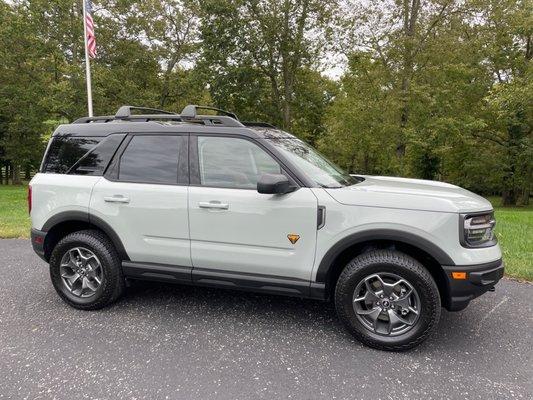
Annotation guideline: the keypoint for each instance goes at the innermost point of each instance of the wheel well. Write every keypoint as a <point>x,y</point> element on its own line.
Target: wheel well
<point>60,230</point>
<point>429,262</point>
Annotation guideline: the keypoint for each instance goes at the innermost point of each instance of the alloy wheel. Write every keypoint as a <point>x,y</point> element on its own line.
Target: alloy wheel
<point>81,272</point>
<point>386,304</point>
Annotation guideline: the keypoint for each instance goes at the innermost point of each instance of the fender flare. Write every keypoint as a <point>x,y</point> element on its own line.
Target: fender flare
<point>380,234</point>
<point>80,216</point>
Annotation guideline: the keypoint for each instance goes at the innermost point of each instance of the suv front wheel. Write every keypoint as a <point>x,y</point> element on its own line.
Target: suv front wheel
<point>86,270</point>
<point>387,300</point>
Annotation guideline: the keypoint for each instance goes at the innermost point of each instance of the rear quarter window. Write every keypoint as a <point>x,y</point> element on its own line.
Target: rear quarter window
<point>80,155</point>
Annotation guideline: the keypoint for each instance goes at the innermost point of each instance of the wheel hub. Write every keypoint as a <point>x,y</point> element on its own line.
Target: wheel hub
<point>81,272</point>
<point>386,304</point>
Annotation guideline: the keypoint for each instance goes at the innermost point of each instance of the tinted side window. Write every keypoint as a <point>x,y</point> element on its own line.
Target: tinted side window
<point>232,162</point>
<point>65,151</point>
<point>96,160</point>
<point>150,159</point>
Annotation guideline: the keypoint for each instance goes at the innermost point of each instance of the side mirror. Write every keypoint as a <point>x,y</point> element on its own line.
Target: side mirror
<point>274,184</point>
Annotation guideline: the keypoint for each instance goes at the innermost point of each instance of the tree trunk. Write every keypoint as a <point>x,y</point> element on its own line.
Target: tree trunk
<point>508,197</point>
<point>16,175</point>
<point>526,192</point>
<point>166,80</point>
<point>27,172</point>
<point>287,119</point>
<point>525,196</point>
<point>410,18</point>
<point>288,79</point>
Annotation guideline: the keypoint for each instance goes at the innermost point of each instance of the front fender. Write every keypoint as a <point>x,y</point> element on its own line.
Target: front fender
<point>380,234</point>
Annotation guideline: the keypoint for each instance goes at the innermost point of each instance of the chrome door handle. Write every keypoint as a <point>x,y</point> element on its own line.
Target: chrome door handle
<point>116,199</point>
<point>214,205</point>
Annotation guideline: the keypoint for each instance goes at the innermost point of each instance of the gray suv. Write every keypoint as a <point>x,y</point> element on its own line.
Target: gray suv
<point>209,200</point>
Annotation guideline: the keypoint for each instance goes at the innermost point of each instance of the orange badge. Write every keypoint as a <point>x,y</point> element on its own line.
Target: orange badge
<point>293,238</point>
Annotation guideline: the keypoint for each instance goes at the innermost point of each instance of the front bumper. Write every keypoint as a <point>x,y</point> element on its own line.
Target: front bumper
<point>478,279</point>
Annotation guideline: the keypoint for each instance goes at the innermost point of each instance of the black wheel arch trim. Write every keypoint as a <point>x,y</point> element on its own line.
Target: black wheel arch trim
<point>379,234</point>
<point>64,217</point>
<point>80,216</point>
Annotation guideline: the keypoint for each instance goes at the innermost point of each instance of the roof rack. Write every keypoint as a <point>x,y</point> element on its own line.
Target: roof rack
<point>259,124</point>
<point>188,115</point>
<point>124,112</point>
<point>190,111</point>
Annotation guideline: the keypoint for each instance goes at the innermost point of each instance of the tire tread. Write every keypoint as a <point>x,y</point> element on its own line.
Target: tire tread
<point>402,261</point>
<point>115,285</point>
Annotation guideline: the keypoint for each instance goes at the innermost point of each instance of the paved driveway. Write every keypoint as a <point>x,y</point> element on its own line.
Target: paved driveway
<point>182,342</point>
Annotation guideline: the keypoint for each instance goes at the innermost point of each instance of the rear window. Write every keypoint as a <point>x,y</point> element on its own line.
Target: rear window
<point>80,155</point>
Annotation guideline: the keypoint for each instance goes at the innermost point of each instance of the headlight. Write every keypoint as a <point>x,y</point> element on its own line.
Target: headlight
<point>477,230</point>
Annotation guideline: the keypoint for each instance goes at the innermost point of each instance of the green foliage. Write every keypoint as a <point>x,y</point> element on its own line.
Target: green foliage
<point>439,90</point>
<point>436,89</point>
<point>255,54</point>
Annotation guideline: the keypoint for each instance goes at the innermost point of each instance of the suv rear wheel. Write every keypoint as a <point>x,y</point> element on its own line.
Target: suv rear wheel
<point>86,270</point>
<point>387,300</point>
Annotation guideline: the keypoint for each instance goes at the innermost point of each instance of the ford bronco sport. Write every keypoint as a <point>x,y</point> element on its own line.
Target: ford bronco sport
<point>209,200</point>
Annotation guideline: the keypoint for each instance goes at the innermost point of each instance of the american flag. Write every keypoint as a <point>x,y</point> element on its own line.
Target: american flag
<point>91,40</point>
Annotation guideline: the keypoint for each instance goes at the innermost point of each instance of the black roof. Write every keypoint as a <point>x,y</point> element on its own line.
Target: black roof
<point>159,121</point>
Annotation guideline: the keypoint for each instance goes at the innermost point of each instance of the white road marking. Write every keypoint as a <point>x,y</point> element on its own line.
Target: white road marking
<point>479,326</point>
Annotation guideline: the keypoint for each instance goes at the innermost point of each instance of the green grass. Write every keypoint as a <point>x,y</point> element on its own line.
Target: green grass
<point>14,218</point>
<point>514,228</point>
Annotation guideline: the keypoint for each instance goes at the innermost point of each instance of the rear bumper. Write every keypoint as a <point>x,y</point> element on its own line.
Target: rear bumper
<point>479,279</point>
<point>37,242</point>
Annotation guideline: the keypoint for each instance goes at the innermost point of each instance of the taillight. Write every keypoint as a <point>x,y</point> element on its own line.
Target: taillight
<point>29,199</point>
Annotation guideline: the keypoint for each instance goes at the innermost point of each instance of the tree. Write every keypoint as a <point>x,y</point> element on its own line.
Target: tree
<point>21,83</point>
<point>264,43</point>
<point>453,83</point>
<point>509,104</point>
<point>169,28</point>
<point>361,120</point>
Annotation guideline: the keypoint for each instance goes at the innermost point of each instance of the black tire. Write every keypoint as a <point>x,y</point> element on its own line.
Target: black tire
<point>388,262</point>
<point>112,285</point>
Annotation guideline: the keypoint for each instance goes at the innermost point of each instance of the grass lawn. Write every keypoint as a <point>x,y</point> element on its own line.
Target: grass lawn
<point>14,218</point>
<point>514,228</point>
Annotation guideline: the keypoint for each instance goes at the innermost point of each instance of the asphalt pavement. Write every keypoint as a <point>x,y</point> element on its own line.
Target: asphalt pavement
<point>180,342</point>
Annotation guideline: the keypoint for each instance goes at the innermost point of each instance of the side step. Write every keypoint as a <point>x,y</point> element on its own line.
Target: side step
<point>224,279</point>
<point>156,272</point>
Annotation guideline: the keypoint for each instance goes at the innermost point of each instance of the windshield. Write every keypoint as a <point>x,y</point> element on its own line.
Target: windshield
<point>313,164</point>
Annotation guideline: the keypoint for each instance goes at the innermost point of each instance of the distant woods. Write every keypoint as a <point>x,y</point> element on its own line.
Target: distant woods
<point>428,89</point>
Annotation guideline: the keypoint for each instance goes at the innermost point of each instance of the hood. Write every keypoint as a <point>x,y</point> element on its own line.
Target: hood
<point>413,194</point>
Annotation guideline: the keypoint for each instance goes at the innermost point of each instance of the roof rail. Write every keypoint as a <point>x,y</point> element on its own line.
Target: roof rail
<point>132,118</point>
<point>190,111</point>
<point>124,112</point>
<point>188,115</point>
<point>259,124</point>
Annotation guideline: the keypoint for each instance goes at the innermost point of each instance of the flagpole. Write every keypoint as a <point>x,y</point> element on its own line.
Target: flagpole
<point>87,65</point>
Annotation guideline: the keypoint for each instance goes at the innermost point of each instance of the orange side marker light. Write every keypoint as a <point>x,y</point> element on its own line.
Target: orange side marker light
<point>459,275</point>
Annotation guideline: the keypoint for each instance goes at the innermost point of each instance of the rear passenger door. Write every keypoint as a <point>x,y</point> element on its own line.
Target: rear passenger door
<point>237,233</point>
<point>143,197</point>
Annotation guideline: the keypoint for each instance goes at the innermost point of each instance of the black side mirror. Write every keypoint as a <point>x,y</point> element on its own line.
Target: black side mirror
<point>274,184</point>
